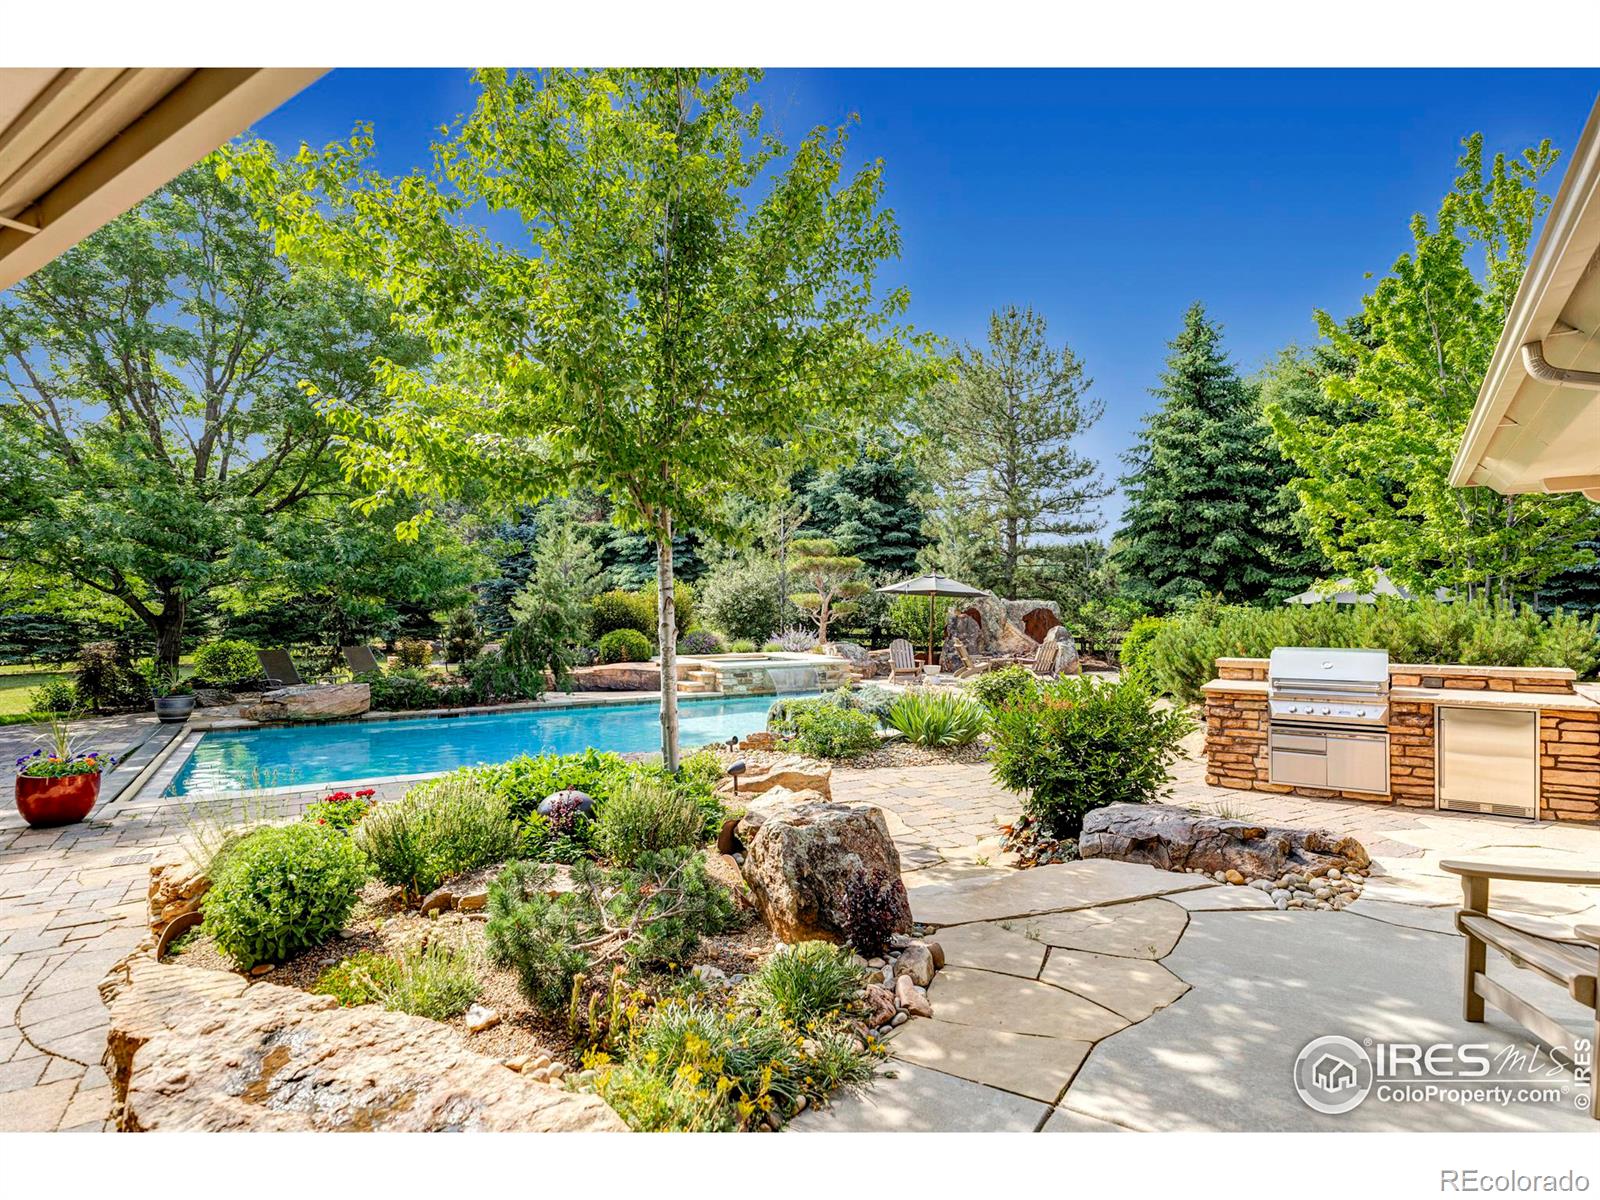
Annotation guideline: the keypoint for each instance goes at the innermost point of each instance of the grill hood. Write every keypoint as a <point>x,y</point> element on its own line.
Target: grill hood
<point>1320,668</point>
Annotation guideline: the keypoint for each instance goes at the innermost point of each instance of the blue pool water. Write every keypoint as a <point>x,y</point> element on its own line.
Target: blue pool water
<point>285,755</point>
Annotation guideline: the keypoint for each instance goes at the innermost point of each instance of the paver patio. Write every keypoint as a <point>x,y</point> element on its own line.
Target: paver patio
<point>1045,1017</point>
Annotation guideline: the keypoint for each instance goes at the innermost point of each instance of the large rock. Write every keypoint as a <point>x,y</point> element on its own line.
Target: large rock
<point>1068,660</point>
<point>800,861</point>
<point>1177,839</point>
<point>617,677</point>
<point>311,702</point>
<point>191,1049</point>
<point>794,772</point>
<point>989,627</point>
<point>176,888</point>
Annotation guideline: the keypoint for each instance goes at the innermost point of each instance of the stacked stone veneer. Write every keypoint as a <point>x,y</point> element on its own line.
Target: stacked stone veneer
<point>1237,724</point>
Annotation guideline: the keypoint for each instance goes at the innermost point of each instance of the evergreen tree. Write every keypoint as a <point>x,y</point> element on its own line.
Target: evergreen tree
<point>871,509</point>
<point>1576,589</point>
<point>1205,514</point>
<point>1004,427</point>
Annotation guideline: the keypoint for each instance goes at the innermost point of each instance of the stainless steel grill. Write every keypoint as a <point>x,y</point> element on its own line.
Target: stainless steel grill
<point>1329,713</point>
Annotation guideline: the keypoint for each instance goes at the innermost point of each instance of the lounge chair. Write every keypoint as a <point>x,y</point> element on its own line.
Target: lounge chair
<point>361,659</point>
<point>902,660</point>
<point>1572,963</point>
<point>278,668</point>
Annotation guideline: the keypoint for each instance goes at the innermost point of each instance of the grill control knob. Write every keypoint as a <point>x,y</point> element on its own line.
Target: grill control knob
<point>1326,710</point>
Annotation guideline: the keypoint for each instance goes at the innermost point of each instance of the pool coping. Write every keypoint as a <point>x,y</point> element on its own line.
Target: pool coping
<point>564,700</point>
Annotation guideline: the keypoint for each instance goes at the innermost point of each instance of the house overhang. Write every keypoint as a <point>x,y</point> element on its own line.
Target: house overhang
<point>1536,424</point>
<point>80,146</point>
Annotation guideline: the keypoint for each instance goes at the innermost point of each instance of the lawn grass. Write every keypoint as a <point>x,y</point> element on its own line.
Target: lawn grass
<point>17,682</point>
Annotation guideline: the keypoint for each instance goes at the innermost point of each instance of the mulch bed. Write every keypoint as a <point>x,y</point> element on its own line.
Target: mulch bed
<point>890,754</point>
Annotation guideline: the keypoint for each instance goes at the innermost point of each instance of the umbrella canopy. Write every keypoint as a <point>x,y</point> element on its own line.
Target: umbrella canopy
<point>930,586</point>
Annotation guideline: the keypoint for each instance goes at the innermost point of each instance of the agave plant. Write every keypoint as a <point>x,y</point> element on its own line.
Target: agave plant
<point>938,718</point>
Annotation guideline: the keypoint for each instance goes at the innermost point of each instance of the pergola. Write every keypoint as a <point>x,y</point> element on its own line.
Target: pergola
<point>82,145</point>
<point>1536,425</point>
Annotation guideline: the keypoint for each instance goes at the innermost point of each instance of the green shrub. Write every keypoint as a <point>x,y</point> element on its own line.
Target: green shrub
<point>227,663</point>
<point>436,981</point>
<point>874,700</point>
<point>438,829</point>
<point>412,652</point>
<point>831,731</point>
<point>652,1102</point>
<point>741,598</point>
<point>938,718</point>
<point>108,678</point>
<point>462,638</point>
<point>996,689</point>
<point>528,779</point>
<point>624,646</point>
<point>742,646</point>
<point>700,641</point>
<point>281,890</point>
<point>54,696</point>
<point>1134,653</point>
<point>1181,655</point>
<point>653,913</point>
<point>618,609</point>
<point>684,606</point>
<point>340,810</point>
<point>644,816</point>
<point>1081,745</point>
<point>811,982</point>
<point>407,689</point>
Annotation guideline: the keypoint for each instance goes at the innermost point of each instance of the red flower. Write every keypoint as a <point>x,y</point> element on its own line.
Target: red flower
<point>364,793</point>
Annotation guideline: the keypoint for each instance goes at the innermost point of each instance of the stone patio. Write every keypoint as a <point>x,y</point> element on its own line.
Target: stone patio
<point>1090,996</point>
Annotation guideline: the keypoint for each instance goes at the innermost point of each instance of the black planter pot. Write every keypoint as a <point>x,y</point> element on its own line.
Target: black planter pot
<point>172,710</point>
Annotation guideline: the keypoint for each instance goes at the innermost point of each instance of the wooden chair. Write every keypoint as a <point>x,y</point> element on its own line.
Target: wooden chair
<point>361,659</point>
<point>1572,963</point>
<point>1045,660</point>
<point>902,660</point>
<point>278,668</point>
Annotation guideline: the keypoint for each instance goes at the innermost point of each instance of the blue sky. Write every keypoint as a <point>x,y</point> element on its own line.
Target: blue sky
<point>1108,200</point>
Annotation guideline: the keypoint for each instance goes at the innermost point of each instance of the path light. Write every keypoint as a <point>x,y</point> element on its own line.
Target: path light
<point>736,770</point>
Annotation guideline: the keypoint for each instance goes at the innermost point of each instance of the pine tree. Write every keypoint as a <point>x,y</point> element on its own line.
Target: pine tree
<point>870,508</point>
<point>1205,513</point>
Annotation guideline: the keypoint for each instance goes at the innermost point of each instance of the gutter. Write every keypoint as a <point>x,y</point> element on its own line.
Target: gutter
<point>1534,363</point>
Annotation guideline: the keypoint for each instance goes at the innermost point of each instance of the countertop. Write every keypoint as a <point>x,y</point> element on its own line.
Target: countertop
<point>1454,697</point>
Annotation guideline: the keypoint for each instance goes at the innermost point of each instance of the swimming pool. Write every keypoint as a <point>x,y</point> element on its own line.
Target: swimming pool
<point>345,751</point>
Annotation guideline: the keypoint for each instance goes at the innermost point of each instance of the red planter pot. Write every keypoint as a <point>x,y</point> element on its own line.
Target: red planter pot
<point>63,801</point>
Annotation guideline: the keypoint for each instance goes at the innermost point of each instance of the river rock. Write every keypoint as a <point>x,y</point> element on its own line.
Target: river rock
<point>800,862</point>
<point>908,997</point>
<point>311,702</point>
<point>916,961</point>
<point>880,1005</point>
<point>1177,839</point>
<point>197,1050</point>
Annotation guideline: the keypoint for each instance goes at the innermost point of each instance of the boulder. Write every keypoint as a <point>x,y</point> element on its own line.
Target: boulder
<point>617,677</point>
<point>190,1049</point>
<point>1068,660</point>
<point>740,826</point>
<point>176,888</point>
<point>1177,839</point>
<point>311,702</point>
<point>793,772</point>
<point>989,627</point>
<point>800,862</point>
<point>209,697</point>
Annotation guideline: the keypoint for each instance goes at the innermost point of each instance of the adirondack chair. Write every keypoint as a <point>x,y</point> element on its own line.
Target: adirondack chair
<point>968,668</point>
<point>902,660</point>
<point>1045,660</point>
<point>361,659</point>
<point>278,668</point>
<point>1572,963</point>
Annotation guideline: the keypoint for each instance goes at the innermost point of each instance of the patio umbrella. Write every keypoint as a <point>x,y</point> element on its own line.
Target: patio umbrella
<point>930,586</point>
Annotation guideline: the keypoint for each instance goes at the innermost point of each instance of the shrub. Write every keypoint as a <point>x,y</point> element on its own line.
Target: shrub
<point>436,981</point>
<point>871,907</point>
<point>808,983</point>
<point>404,689</point>
<point>741,599</point>
<point>1181,655</point>
<point>54,696</point>
<point>644,816</point>
<point>526,780</point>
<point>281,890</point>
<point>1134,653</point>
<point>655,912</point>
<point>833,731</point>
<point>416,653</point>
<point>618,609</point>
<point>996,689</point>
<point>797,641</point>
<point>1081,745</point>
<point>227,663</point>
<point>107,677</point>
<point>340,810</point>
<point>462,639</point>
<point>438,829</point>
<point>624,646</point>
<point>516,671</point>
<point>700,641</point>
<point>652,1102</point>
<point>874,700</point>
<point>742,646</point>
<point>941,718</point>
<point>683,606</point>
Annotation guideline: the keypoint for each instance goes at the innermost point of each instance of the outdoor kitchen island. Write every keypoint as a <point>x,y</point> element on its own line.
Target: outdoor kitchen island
<point>1515,741</point>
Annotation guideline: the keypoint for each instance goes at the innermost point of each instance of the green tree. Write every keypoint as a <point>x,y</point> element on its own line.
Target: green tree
<point>692,307</point>
<point>1004,427</point>
<point>833,579</point>
<point>1376,491</point>
<point>871,507</point>
<point>565,578</point>
<point>149,391</point>
<point>1205,513</point>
